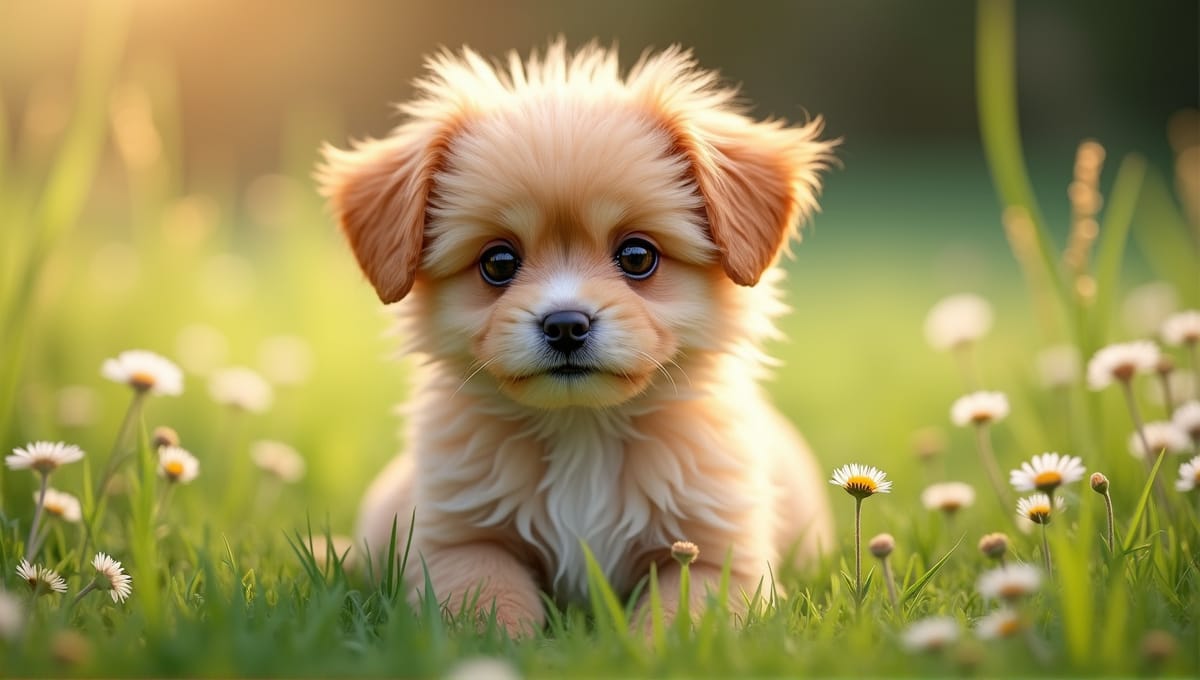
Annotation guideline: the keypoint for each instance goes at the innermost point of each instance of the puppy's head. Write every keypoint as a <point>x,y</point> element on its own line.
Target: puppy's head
<point>567,231</point>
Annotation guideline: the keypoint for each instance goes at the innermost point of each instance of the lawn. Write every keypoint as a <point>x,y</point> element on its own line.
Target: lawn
<point>106,248</point>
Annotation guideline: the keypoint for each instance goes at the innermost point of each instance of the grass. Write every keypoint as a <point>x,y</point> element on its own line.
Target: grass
<point>224,580</point>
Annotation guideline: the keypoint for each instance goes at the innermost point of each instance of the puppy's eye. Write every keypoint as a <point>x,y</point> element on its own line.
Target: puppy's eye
<point>637,257</point>
<point>499,264</point>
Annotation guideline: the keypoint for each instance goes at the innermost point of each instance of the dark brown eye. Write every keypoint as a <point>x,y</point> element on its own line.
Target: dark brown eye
<point>499,264</point>
<point>637,257</point>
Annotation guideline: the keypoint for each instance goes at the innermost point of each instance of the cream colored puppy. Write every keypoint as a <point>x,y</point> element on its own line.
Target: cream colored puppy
<point>586,262</point>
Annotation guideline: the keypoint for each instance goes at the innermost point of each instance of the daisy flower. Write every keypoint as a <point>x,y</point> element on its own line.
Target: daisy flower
<point>684,552</point>
<point>1010,582</point>
<point>40,579</point>
<point>61,504</point>
<point>1047,472</point>
<point>957,320</point>
<point>1121,362</point>
<point>979,408</point>
<point>177,465</point>
<point>861,481</point>
<point>1182,328</point>
<point>930,634</point>
<point>112,577</point>
<point>949,497</point>
<point>1189,476</point>
<point>278,459</point>
<point>144,372</point>
<point>1037,508</point>
<point>1187,418</point>
<point>1058,366</point>
<point>241,388</point>
<point>1158,436</point>
<point>44,457</point>
<point>1002,623</point>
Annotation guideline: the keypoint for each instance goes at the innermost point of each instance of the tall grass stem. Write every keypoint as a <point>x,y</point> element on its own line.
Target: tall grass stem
<point>37,516</point>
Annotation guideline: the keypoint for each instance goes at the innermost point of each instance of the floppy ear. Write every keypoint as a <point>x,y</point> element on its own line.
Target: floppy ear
<point>759,180</point>
<point>379,190</point>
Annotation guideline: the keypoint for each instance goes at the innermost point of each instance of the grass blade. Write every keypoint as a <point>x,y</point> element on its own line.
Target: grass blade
<point>1131,533</point>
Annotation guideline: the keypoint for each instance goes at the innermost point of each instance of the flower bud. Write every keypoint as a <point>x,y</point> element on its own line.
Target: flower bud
<point>882,545</point>
<point>994,545</point>
<point>1099,483</point>
<point>165,436</point>
<point>684,552</point>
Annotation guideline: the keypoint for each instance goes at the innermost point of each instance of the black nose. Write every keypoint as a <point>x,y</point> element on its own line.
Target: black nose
<point>566,331</point>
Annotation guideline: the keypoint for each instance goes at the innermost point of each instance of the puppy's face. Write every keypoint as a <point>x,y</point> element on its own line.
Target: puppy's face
<point>570,233</point>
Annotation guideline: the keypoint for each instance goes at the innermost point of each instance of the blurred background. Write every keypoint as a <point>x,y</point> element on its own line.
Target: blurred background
<point>199,234</point>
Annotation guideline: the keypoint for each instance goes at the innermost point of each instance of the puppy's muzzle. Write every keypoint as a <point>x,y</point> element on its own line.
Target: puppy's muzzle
<point>566,331</point>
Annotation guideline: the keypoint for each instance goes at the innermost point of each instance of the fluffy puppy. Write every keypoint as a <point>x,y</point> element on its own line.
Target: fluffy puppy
<point>586,263</point>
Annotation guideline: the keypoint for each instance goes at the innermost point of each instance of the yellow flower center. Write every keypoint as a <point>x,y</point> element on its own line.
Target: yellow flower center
<point>174,469</point>
<point>981,417</point>
<point>1196,477</point>
<point>54,509</point>
<point>1009,627</point>
<point>1010,591</point>
<point>1047,479</point>
<point>141,380</point>
<point>951,506</point>
<point>1039,514</point>
<point>858,484</point>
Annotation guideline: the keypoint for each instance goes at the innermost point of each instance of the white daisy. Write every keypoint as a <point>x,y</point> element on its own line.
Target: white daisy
<point>957,320</point>
<point>1002,623</point>
<point>1189,476</point>
<point>278,459</point>
<point>145,372</point>
<point>861,481</point>
<point>61,504</point>
<point>45,457</point>
<point>1037,508</point>
<point>1047,472</point>
<point>1161,435</point>
<point>949,497</point>
<point>1182,328</point>
<point>241,388</point>
<point>12,616</point>
<point>1009,582</point>
<point>979,408</point>
<point>1121,362</point>
<point>930,634</point>
<point>1058,366</point>
<point>112,577</point>
<point>40,579</point>
<point>177,465</point>
<point>1187,418</point>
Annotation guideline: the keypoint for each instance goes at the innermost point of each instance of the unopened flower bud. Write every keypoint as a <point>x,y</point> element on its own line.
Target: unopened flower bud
<point>882,545</point>
<point>1158,646</point>
<point>684,552</point>
<point>1099,483</point>
<point>1165,365</point>
<point>165,436</point>
<point>994,545</point>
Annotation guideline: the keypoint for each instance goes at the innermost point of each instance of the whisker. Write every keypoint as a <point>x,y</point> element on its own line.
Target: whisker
<point>474,373</point>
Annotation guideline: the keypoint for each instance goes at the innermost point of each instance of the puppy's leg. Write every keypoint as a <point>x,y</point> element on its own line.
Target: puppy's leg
<point>703,577</point>
<point>461,572</point>
<point>389,499</point>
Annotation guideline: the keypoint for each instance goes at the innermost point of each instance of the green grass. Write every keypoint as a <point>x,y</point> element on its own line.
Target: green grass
<point>224,584</point>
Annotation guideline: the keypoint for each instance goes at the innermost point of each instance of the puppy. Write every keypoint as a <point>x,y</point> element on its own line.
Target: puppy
<point>586,263</point>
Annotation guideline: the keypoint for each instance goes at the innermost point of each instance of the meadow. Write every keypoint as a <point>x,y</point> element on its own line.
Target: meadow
<point>109,245</point>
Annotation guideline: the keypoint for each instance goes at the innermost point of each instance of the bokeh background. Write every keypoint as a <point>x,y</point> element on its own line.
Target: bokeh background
<point>202,238</point>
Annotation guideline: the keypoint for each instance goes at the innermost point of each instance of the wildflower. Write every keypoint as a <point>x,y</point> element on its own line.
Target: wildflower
<point>12,618</point>
<point>278,459</point>
<point>61,504</point>
<point>1189,476</point>
<point>241,388</point>
<point>1100,486</point>
<point>979,408</point>
<point>928,443</point>
<point>1099,483</point>
<point>41,580</point>
<point>69,648</point>
<point>994,545</point>
<point>1010,582</point>
<point>684,552</point>
<point>1182,328</point>
<point>1187,418</point>
<point>882,545</point>
<point>957,320</point>
<point>44,457</point>
<point>931,634</point>
<point>1058,366</point>
<point>112,577</point>
<point>1047,472</point>
<point>1037,508</point>
<point>177,465</point>
<point>861,481</point>
<point>164,436</point>
<point>1002,623</point>
<point>483,668</point>
<point>949,497</point>
<point>1158,436</point>
<point>144,372</point>
<point>1121,362</point>
<point>1158,646</point>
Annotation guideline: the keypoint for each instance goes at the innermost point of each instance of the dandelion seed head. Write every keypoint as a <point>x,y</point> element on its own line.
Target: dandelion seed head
<point>979,408</point>
<point>1121,362</point>
<point>861,481</point>
<point>145,372</point>
<point>957,320</point>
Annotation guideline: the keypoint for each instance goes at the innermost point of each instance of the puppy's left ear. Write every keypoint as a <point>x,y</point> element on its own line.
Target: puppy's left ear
<point>759,180</point>
<point>379,191</point>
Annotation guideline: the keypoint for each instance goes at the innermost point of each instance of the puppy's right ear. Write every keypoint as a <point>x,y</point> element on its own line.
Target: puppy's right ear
<point>379,191</point>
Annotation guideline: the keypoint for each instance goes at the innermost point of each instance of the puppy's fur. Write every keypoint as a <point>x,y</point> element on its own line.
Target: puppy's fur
<point>510,466</point>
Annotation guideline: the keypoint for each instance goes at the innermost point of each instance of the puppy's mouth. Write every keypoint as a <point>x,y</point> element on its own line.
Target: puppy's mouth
<point>572,370</point>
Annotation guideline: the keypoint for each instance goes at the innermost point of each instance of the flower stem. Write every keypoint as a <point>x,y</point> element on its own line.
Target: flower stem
<point>1112,546</point>
<point>988,458</point>
<point>37,516</point>
<point>858,550</point>
<point>891,585</point>
<point>1046,551</point>
<point>87,589</point>
<point>115,458</point>
<point>1140,428</point>
<point>1164,379</point>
